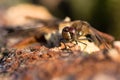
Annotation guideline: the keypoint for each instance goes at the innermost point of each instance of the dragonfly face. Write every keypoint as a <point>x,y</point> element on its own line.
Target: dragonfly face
<point>75,32</point>
<point>69,33</point>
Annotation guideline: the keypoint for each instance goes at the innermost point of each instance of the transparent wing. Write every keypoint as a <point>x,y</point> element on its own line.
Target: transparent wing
<point>102,39</point>
<point>30,30</point>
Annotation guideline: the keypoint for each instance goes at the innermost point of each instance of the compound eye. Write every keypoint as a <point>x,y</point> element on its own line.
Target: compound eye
<point>72,30</point>
<point>66,29</point>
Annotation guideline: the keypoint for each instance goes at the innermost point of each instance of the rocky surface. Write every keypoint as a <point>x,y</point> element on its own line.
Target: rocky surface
<point>41,63</point>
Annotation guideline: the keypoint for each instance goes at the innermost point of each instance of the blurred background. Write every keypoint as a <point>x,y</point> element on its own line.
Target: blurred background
<point>101,14</point>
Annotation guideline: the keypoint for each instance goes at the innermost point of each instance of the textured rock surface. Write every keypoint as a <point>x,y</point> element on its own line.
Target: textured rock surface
<point>41,63</point>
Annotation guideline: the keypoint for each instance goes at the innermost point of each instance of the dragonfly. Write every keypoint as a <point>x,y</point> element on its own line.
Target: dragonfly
<point>56,32</point>
<point>81,32</point>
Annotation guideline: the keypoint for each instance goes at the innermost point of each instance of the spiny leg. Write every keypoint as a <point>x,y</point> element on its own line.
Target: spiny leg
<point>62,40</point>
<point>83,43</point>
<point>66,46</point>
